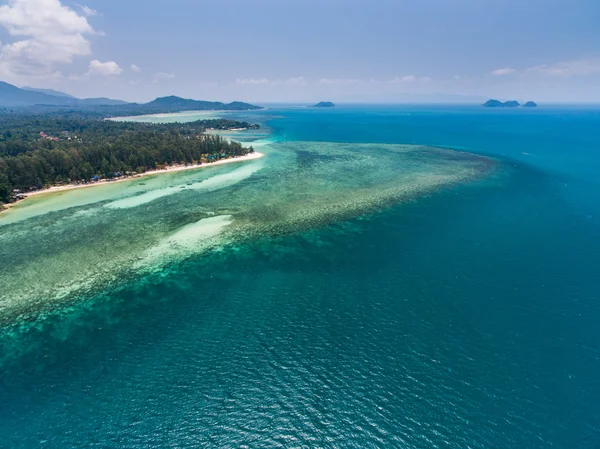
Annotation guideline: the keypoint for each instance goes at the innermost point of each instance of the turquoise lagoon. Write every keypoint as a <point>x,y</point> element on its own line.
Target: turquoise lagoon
<point>386,276</point>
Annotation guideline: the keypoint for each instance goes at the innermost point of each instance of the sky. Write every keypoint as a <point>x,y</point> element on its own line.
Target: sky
<point>305,50</point>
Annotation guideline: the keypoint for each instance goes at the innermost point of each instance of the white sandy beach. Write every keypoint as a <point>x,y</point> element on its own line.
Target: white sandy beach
<point>169,169</point>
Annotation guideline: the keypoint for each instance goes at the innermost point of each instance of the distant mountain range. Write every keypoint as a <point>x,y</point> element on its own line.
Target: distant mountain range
<point>14,96</point>
<point>32,98</point>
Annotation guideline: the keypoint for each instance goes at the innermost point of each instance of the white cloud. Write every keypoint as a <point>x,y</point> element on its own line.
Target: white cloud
<point>409,79</point>
<point>576,67</point>
<point>293,81</point>
<point>86,10</point>
<point>135,68</point>
<point>253,81</point>
<point>47,34</point>
<point>339,81</point>
<point>503,72</point>
<point>104,68</point>
<point>160,76</point>
<point>537,68</point>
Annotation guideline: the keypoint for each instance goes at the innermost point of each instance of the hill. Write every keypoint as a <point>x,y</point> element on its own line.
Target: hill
<point>184,104</point>
<point>13,96</point>
<point>56,93</point>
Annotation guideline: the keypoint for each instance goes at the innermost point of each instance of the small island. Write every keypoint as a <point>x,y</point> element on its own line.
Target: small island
<point>498,104</point>
<point>508,104</point>
<point>324,104</point>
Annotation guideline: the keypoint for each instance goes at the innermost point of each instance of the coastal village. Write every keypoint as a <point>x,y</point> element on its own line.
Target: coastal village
<point>65,135</point>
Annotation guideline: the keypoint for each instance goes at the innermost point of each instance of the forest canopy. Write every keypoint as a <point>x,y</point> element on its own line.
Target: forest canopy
<point>39,151</point>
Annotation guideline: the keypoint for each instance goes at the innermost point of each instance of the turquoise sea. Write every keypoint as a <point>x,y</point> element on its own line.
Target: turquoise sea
<point>386,276</point>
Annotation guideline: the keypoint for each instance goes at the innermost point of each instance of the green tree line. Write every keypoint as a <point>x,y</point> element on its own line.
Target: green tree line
<point>89,148</point>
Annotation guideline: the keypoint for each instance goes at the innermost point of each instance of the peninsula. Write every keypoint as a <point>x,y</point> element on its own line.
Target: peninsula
<point>68,151</point>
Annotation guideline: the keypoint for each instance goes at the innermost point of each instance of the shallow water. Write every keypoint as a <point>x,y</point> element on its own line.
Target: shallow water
<point>352,291</point>
<point>99,239</point>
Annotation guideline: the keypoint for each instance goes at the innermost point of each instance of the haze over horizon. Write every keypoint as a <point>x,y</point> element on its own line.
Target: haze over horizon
<point>270,51</point>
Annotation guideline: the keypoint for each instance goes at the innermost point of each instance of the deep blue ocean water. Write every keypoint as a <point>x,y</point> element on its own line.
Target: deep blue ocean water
<point>467,318</point>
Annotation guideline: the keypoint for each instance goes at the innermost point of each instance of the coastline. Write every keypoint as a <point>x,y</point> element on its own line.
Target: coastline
<point>149,118</point>
<point>169,169</point>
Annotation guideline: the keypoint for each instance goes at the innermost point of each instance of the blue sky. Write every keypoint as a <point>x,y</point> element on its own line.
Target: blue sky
<point>287,50</point>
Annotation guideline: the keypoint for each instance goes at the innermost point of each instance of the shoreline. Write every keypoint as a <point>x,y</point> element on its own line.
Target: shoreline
<point>169,169</point>
<point>132,118</point>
